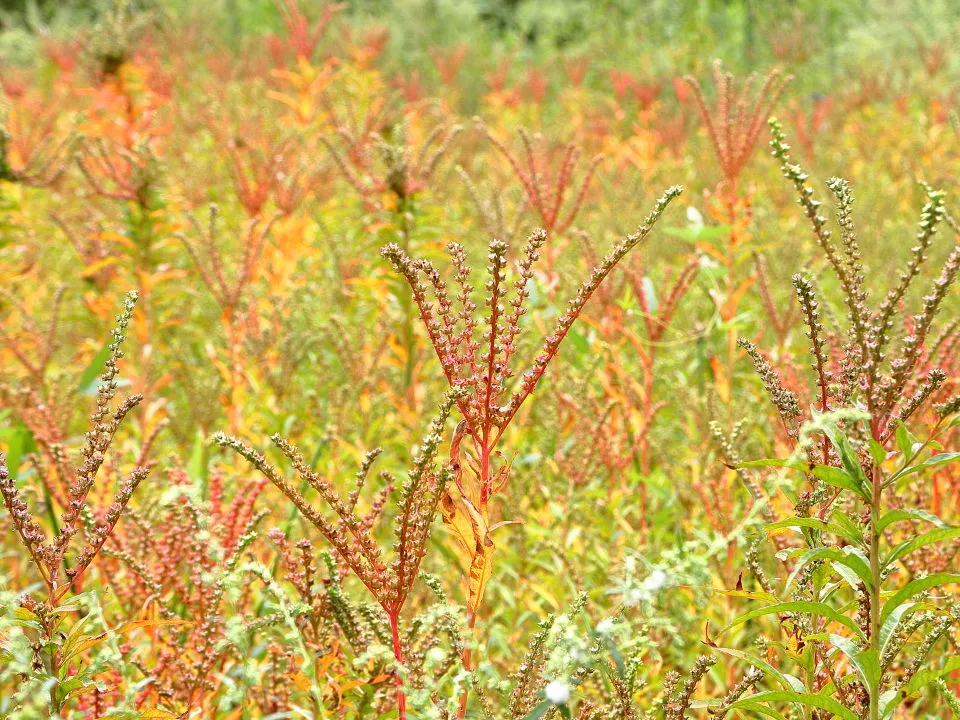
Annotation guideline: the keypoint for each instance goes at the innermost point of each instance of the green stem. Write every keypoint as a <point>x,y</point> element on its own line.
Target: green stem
<point>406,295</point>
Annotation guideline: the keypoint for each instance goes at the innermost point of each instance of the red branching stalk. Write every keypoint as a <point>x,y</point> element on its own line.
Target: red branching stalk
<point>491,209</point>
<point>626,86</point>
<point>375,165</point>
<point>263,165</point>
<point>737,118</point>
<point>933,54</point>
<point>870,87</point>
<point>548,195</point>
<point>32,150</point>
<point>628,408</point>
<point>656,323</point>
<point>96,248</point>
<point>389,582</point>
<point>576,69</point>
<point>449,62</point>
<point>44,340</point>
<point>61,572</point>
<point>536,85</point>
<point>780,321</point>
<point>733,125</point>
<point>117,172</point>
<point>481,369</point>
<point>172,563</point>
<point>497,78</point>
<point>864,368</point>
<point>366,47</point>
<point>230,294</point>
<point>40,404</point>
<point>357,127</point>
<point>488,375</point>
<point>891,390</point>
<point>810,124</point>
<point>303,35</point>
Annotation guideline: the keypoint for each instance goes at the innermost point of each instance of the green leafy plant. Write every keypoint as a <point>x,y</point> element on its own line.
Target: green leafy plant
<point>858,620</point>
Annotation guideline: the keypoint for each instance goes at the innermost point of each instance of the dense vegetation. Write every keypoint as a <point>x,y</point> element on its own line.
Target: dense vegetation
<point>492,360</point>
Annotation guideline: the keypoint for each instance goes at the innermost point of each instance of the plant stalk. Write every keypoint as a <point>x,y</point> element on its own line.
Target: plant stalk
<point>875,580</point>
<point>398,654</point>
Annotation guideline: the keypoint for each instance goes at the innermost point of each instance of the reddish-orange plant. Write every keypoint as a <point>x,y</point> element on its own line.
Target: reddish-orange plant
<point>737,118</point>
<point>264,164</point>
<point>229,293</point>
<point>303,35</point>
<point>33,149</point>
<point>175,559</point>
<point>548,196</point>
<point>389,582</point>
<point>476,354</point>
<point>403,170</point>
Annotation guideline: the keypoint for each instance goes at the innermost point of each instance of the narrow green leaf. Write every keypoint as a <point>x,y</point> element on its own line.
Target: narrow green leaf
<point>866,662</point>
<point>816,524</point>
<point>891,699</point>
<point>539,711</point>
<point>925,677</point>
<point>848,456</point>
<point>899,515</point>
<point>914,587</point>
<point>877,452</point>
<point>758,709</point>
<point>841,479</point>
<point>904,440</point>
<point>789,682</point>
<point>838,477</point>
<point>797,606</point>
<point>928,538</point>
<point>931,462</point>
<point>889,625</point>
<point>87,384</point>
<point>808,699</point>
<point>857,563</point>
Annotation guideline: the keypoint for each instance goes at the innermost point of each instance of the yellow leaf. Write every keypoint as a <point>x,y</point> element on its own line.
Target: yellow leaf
<point>301,681</point>
<point>86,645</point>
<point>720,378</point>
<point>114,238</point>
<point>95,267</point>
<point>155,714</point>
<point>472,532</point>
<point>148,624</point>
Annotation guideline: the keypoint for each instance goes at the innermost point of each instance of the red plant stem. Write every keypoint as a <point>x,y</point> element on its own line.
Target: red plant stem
<point>485,447</point>
<point>648,411</point>
<point>491,365</point>
<point>485,492</point>
<point>398,654</point>
<point>466,659</point>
